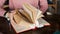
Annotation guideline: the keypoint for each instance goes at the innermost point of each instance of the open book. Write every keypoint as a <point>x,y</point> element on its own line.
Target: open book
<point>27,18</point>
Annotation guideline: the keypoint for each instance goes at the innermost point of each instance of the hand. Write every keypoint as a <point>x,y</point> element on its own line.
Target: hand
<point>11,16</point>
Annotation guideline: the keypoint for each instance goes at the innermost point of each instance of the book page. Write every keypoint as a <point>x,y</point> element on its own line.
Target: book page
<point>33,11</point>
<point>23,26</point>
<point>27,16</point>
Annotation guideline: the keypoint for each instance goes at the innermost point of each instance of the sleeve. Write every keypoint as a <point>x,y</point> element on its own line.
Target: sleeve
<point>2,2</point>
<point>43,5</point>
<point>2,11</point>
<point>11,4</point>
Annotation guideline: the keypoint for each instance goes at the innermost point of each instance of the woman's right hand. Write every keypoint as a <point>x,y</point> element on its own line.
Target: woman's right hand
<point>11,16</point>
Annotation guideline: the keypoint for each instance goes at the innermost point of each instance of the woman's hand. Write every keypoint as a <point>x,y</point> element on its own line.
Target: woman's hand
<point>11,16</point>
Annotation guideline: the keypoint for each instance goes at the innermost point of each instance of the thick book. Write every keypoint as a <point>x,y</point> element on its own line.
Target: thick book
<point>25,26</point>
<point>27,18</point>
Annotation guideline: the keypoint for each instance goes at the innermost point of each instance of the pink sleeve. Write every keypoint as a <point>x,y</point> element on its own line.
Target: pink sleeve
<point>15,4</point>
<point>2,11</point>
<point>11,4</point>
<point>44,5</point>
<point>1,2</point>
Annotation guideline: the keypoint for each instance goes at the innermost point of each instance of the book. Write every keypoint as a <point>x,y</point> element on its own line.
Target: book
<point>25,26</point>
<point>27,18</point>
